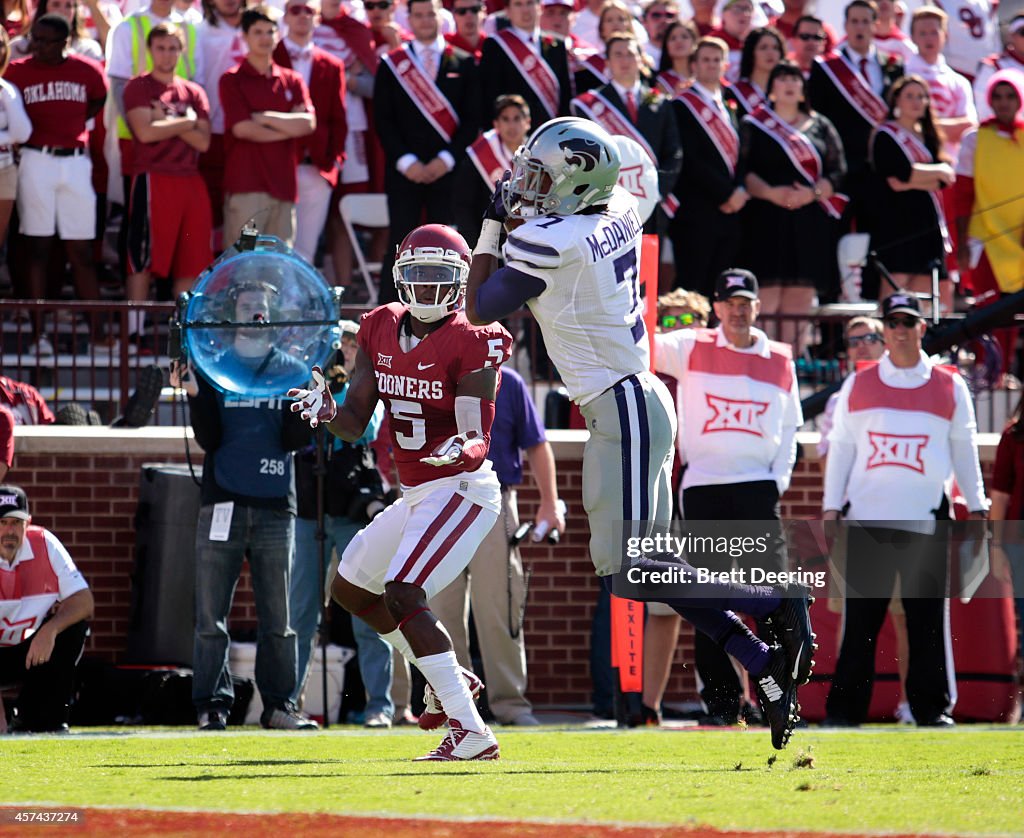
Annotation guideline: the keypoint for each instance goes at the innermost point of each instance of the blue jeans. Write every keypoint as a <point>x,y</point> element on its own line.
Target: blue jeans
<point>307,593</point>
<point>268,534</point>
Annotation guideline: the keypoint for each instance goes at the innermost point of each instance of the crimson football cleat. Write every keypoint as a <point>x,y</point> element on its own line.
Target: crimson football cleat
<point>460,744</point>
<point>433,715</point>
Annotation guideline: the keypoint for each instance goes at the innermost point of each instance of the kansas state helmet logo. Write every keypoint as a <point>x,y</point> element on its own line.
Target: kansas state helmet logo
<point>581,152</point>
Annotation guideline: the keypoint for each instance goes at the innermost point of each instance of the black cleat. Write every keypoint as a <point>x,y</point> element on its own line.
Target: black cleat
<point>142,403</point>
<point>776,693</point>
<point>790,626</point>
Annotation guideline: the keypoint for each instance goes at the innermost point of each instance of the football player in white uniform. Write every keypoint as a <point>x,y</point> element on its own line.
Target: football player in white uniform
<point>572,255</point>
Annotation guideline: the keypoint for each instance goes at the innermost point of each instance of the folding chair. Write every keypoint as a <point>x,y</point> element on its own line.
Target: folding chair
<point>368,210</point>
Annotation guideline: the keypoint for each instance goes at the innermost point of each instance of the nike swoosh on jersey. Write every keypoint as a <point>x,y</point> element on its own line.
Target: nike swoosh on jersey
<point>422,367</point>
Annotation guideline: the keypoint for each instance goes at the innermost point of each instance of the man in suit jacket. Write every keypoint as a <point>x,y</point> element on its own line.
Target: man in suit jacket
<point>509,64</point>
<point>427,94</point>
<point>322,152</point>
<point>705,231</point>
<point>850,87</point>
<point>627,107</point>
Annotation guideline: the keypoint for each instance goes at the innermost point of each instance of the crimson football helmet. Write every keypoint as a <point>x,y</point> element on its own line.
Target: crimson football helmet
<point>431,271</point>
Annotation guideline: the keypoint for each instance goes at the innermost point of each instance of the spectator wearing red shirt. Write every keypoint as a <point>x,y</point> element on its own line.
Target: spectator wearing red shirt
<point>322,153</point>
<point>266,109</point>
<point>55,195</point>
<point>169,217</point>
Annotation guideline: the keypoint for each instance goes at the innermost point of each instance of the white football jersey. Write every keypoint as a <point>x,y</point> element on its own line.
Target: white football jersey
<point>591,312</point>
<point>973,31</point>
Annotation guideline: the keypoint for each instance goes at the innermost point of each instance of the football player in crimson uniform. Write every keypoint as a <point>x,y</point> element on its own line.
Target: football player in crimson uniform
<point>438,377</point>
<point>572,255</point>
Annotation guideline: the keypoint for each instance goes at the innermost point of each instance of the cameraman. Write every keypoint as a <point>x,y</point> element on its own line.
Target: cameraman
<point>248,509</point>
<point>353,494</point>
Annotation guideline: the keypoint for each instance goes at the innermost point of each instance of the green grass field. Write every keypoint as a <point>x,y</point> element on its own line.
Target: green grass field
<point>970,780</point>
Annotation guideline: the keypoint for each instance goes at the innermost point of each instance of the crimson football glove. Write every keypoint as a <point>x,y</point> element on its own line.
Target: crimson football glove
<point>316,405</point>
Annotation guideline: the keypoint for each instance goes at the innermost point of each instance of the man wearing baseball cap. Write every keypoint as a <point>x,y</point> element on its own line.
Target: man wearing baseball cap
<point>44,605</point>
<point>900,428</point>
<point>739,461</point>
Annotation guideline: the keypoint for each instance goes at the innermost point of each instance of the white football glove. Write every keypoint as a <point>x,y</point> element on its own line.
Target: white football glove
<point>447,453</point>
<point>315,405</point>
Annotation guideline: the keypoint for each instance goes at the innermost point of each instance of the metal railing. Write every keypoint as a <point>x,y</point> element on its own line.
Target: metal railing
<point>95,364</point>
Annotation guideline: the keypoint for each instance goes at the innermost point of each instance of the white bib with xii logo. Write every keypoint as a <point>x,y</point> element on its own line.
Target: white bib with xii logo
<point>903,438</point>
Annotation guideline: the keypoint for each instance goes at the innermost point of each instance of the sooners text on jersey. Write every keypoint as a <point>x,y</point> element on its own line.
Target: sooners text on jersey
<point>418,388</point>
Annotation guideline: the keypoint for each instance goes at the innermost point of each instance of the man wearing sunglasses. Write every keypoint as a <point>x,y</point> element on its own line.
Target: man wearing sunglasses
<point>658,14</point>
<point>807,42</point>
<point>902,427</point>
<point>792,12</point>
<point>738,409</point>
<point>469,27</point>
<point>865,342</point>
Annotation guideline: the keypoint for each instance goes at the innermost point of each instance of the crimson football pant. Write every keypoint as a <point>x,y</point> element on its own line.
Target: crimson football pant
<point>45,698</point>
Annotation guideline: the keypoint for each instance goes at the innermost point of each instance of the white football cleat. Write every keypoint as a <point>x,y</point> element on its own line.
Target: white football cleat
<point>460,745</point>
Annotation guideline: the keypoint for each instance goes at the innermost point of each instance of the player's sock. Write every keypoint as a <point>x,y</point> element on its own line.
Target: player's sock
<point>730,632</point>
<point>398,641</point>
<point>444,674</point>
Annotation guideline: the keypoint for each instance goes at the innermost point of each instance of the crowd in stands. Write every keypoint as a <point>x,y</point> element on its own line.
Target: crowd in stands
<point>775,129</point>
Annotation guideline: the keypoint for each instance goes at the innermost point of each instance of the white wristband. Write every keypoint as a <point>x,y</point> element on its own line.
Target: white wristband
<point>490,236</point>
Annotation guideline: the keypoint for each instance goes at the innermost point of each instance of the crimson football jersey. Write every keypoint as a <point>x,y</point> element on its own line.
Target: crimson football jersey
<point>418,388</point>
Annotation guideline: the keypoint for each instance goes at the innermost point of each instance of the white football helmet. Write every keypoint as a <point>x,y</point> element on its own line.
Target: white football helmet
<point>569,164</point>
<point>431,271</point>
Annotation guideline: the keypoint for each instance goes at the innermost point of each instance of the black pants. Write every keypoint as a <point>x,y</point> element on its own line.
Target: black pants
<point>45,698</point>
<point>875,557</point>
<point>753,501</point>
<point>410,205</point>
